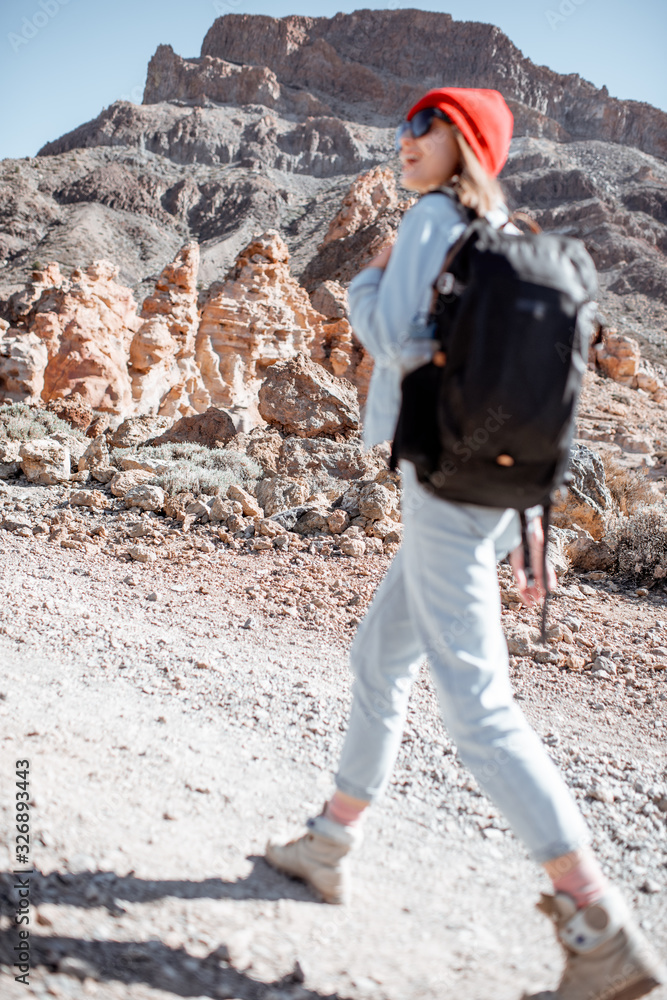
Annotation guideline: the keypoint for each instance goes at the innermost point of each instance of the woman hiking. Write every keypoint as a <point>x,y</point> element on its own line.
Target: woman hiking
<point>440,597</point>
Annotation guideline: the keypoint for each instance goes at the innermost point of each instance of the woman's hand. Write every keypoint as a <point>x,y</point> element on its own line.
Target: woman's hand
<point>382,258</point>
<point>533,593</point>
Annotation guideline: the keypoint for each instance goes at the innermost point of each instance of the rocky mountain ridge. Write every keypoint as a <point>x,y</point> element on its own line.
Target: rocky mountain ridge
<point>266,130</point>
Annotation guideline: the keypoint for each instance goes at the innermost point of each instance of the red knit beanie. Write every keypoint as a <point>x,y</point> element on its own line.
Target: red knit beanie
<point>483,118</point>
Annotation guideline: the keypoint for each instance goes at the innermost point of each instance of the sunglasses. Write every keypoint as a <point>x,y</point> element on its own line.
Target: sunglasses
<point>420,124</point>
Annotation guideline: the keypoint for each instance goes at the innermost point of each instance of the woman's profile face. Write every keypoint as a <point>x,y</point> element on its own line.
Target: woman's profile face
<point>430,161</point>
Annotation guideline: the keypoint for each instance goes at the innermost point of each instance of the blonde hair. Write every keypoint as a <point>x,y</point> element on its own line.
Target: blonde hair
<point>474,187</point>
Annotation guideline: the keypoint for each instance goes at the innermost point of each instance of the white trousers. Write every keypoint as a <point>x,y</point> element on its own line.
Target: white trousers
<point>440,598</point>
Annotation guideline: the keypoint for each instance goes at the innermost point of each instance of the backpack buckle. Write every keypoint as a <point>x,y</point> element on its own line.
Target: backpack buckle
<point>445,283</point>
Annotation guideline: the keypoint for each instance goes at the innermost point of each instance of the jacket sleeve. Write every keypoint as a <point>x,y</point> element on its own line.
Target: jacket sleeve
<point>386,305</point>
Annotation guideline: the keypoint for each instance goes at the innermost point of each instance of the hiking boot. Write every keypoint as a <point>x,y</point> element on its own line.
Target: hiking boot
<point>607,957</point>
<point>318,857</point>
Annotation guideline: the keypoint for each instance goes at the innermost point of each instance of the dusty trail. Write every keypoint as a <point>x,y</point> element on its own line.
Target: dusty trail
<point>156,783</point>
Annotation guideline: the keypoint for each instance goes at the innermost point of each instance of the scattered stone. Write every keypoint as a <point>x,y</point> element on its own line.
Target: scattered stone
<point>601,792</point>
<point>145,497</point>
<point>17,525</point>
<point>153,596</point>
<point>140,554</point>
<point>353,547</point>
<point>376,502</point>
<point>197,509</point>
<point>89,498</point>
<point>574,662</point>
<point>95,456</point>
<point>261,544</point>
<point>248,503</point>
<point>280,493</point>
<point>604,665</point>
<point>45,461</point>
<point>650,886</point>
<point>123,482</point>
<point>338,521</point>
<point>77,967</point>
<point>104,474</point>
<point>521,640</point>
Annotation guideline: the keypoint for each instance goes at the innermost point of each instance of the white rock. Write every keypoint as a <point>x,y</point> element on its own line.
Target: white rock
<point>123,482</point>
<point>88,498</point>
<point>45,461</point>
<point>145,497</point>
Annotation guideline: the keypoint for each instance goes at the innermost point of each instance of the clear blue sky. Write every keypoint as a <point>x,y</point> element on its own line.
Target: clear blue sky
<point>85,54</point>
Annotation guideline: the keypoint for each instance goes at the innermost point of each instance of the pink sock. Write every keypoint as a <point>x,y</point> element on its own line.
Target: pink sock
<point>345,810</point>
<point>582,878</point>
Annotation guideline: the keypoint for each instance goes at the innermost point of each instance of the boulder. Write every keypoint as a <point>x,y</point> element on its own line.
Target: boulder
<point>75,445</point>
<point>354,547</point>
<point>95,456</point>
<point>23,359</point>
<point>318,459</point>
<point>123,482</point>
<point>137,430</point>
<point>338,521</point>
<point>314,519</point>
<point>249,504</point>
<point>376,502</point>
<point>156,466</point>
<point>586,502</point>
<point>522,640</point>
<point>302,398</point>
<point>145,497</point>
<point>280,492</point>
<point>94,499</point>
<point>45,461</point>
<point>221,510</point>
<point>213,429</point>
<point>73,409</point>
<point>618,356</point>
<point>104,474</point>
<point>9,459</point>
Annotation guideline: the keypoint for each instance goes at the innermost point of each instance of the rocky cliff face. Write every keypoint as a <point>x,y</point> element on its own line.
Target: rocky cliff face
<point>85,337</point>
<point>376,62</point>
<point>286,125</point>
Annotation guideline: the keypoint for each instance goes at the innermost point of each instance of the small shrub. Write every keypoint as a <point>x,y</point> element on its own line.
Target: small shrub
<point>641,543</point>
<point>630,488</point>
<point>20,422</point>
<point>199,469</point>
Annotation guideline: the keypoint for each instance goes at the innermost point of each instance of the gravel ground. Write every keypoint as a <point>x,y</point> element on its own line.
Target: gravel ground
<point>176,713</point>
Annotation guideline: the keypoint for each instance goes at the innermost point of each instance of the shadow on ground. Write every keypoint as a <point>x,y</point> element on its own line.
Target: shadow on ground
<point>150,962</point>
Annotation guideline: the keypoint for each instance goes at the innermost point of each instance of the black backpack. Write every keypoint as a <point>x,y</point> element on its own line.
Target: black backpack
<point>490,420</point>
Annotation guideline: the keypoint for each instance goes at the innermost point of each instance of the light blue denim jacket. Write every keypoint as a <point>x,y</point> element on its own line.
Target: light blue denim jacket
<point>389,309</point>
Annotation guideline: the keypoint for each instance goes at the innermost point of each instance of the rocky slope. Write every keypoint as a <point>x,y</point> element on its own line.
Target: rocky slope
<point>268,127</point>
